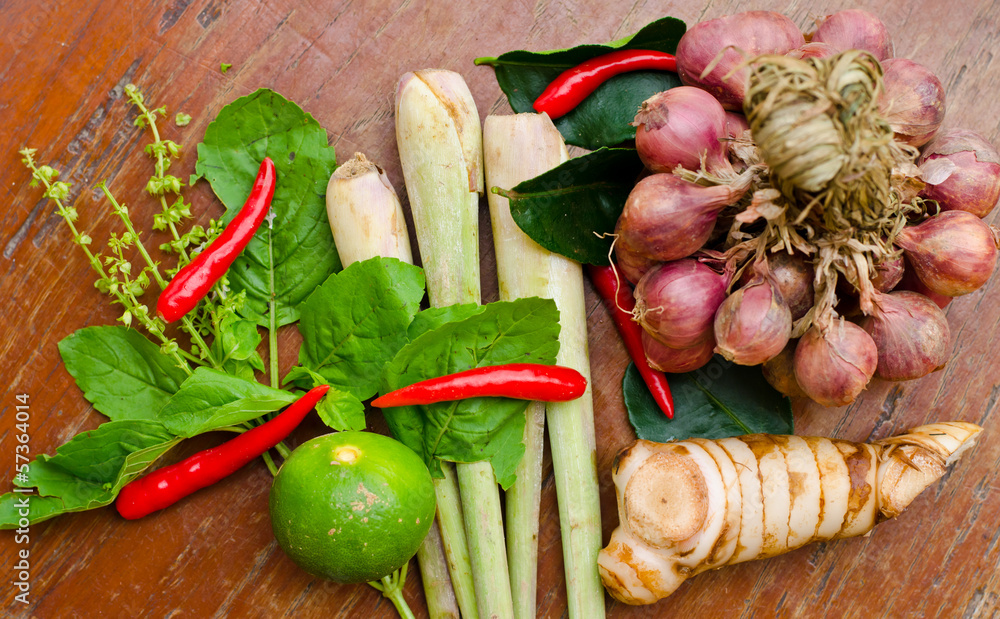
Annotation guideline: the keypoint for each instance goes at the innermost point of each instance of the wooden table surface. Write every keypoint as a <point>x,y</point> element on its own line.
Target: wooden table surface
<point>63,66</point>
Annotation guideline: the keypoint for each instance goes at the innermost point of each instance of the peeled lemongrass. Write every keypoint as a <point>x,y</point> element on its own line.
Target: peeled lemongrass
<point>365,215</point>
<point>516,148</point>
<point>779,492</point>
<point>440,148</point>
<point>366,219</point>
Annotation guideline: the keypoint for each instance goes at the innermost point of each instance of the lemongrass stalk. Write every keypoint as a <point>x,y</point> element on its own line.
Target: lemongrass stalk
<point>517,148</point>
<point>439,137</point>
<point>366,219</point>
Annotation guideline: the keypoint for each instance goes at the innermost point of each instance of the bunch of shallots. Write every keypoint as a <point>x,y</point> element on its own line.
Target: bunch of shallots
<point>804,209</point>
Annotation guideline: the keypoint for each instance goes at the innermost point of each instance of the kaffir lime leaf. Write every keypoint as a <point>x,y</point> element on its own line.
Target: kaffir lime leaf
<point>352,506</point>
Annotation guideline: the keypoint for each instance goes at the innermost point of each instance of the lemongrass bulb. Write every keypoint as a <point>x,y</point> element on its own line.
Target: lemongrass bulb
<point>365,214</point>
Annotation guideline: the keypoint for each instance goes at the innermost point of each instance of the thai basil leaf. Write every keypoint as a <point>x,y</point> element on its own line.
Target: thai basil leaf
<point>719,400</point>
<point>572,209</point>
<point>474,429</point>
<point>123,374</point>
<point>603,118</point>
<point>211,399</point>
<point>236,347</point>
<point>295,253</point>
<point>355,323</point>
<point>341,410</point>
<point>87,472</point>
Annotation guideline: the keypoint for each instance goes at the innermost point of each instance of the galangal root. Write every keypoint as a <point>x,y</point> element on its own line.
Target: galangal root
<point>690,506</point>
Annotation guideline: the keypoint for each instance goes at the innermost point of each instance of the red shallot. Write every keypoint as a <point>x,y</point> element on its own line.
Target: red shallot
<point>962,172</point>
<point>680,126</point>
<point>912,101</point>
<point>833,365</point>
<point>735,38</point>
<point>855,29</point>
<point>753,324</point>
<point>779,372</point>
<point>676,302</point>
<point>953,253</point>
<point>676,360</point>
<point>666,217</point>
<point>911,334</point>
<point>793,275</point>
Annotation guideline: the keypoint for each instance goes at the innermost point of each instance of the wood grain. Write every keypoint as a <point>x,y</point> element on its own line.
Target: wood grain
<point>63,67</point>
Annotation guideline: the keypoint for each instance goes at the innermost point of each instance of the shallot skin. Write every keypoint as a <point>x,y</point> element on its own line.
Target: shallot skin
<point>815,49</point>
<point>970,172</point>
<point>833,365</point>
<point>911,334</point>
<point>855,29</point>
<point>912,101</point>
<point>953,253</point>
<point>752,33</point>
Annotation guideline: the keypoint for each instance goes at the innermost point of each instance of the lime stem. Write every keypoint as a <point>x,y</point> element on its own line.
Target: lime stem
<point>391,587</point>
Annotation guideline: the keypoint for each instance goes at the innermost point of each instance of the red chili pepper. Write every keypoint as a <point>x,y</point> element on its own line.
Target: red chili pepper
<point>620,303</point>
<point>164,487</point>
<point>194,281</point>
<point>574,85</point>
<point>523,381</point>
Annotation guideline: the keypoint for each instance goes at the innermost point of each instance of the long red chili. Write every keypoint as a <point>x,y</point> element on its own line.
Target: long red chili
<point>164,487</point>
<point>620,303</point>
<point>574,85</point>
<point>194,281</point>
<point>523,381</point>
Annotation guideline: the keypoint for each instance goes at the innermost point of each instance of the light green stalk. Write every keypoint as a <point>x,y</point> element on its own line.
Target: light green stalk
<point>518,148</point>
<point>440,148</point>
<point>366,219</point>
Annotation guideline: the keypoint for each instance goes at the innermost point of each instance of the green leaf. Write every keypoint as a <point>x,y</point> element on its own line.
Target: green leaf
<point>434,317</point>
<point>719,400</point>
<point>211,399</point>
<point>572,209</point>
<point>123,374</point>
<point>356,321</point>
<point>88,471</point>
<point>236,347</point>
<point>474,429</point>
<point>603,118</point>
<point>298,250</point>
<point>341,411</point>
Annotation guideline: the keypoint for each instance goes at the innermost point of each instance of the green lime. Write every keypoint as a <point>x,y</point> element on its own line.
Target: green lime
<point>352,506</point>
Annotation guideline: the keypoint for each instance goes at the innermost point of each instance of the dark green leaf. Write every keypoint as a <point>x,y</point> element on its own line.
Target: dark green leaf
<point>88,471</point>
<point>473,429</point>
<point>212,399</point>
<point>341,411</point>
<point>298,253</point>
<point>719,400</point>
<point>356,321</point>
<point>123,374</point>
<point>603,119</point>
<point>572,209</point>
